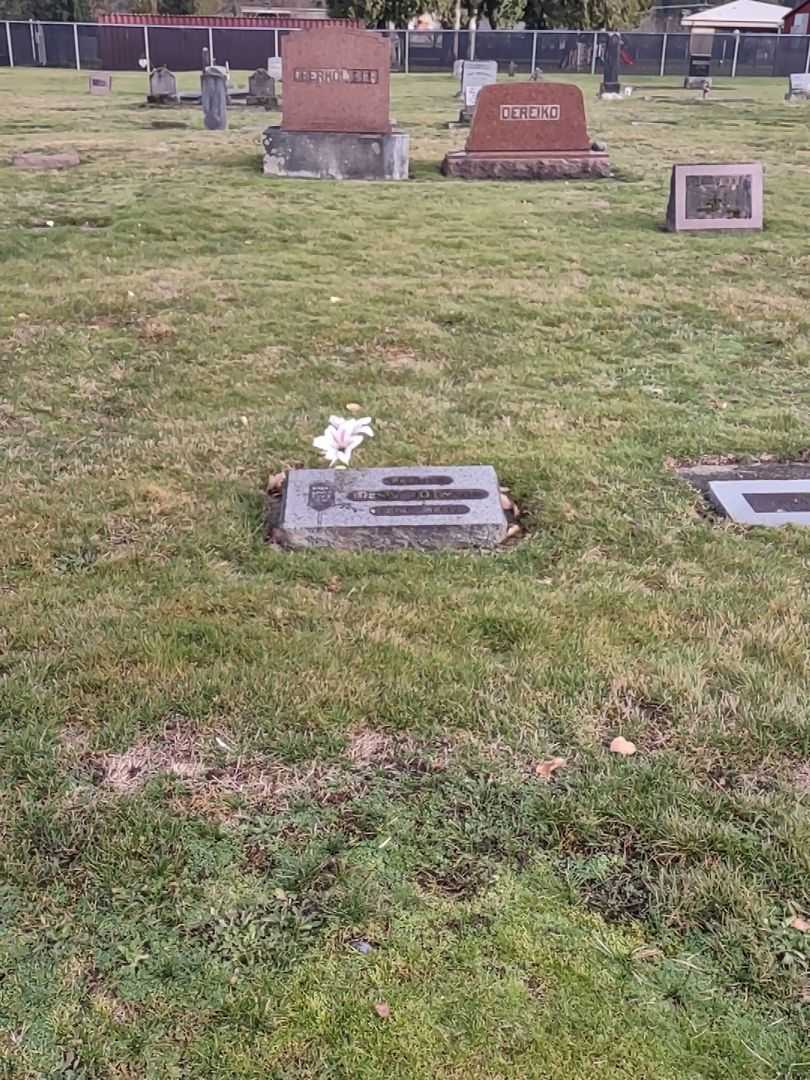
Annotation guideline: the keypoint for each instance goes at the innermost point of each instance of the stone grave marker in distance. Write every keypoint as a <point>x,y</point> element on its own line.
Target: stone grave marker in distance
<point>427,508</point>
<point>712,196</point>
<point>99,83</point>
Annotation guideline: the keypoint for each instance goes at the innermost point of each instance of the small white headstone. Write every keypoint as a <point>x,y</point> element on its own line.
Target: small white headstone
<point>471,96</point>
<point>478,73</point>
<point>274,67</point>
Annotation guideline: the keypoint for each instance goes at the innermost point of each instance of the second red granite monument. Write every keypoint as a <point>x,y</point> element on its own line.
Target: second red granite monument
<point>335,122</point>
<point>528,131</point>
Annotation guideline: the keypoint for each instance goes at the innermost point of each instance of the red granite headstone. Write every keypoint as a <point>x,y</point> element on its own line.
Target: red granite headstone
<point>336,80</point>
<point>529,117</point>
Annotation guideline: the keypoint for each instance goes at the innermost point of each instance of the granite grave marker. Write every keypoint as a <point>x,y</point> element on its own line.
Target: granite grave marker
<point>763,502</point>
<point>214,98</point>
<point>478,73</point>
<point>610,77</point>
<point>335,122</point>
<point>99,83</point>
<point>162,87</point>
<point>262,89</point>
<point>798,88</point>
<point>383,509</point>
<point>710,196</point>
<point>531,131</point>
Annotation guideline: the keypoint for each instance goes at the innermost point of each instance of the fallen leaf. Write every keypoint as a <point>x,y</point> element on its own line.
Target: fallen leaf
<point>243,420</point>
<point>333,585</point>
<point>49,224</point>
<point>382,1009</point>
<point>335,300</point>
<point>275,483</point>
<point>353,407</point>
<point>361,946</point>
<point>800,924</point>
<point>506,503</point>
<point>622,746</point>
<point>512,531</point>
<point>546,768</point>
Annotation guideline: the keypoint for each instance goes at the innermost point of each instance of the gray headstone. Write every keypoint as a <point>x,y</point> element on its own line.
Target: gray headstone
<point>478,73</point>
<point>427,508</point>
<point>763,502</point>
<point>712,196</point>
<point>262,87</point>
<point>214,87</point>
<point>100,83</point>
<point>799,86</point>
<point>162,84</point>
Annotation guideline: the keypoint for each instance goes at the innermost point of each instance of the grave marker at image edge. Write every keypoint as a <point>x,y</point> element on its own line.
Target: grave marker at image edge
<point>427,508</point>
<point>712,196</point>
<point>772,503</point>
<point>335,121</point>
<point>99,83</point>
<point>528,131</point>
<point>798,88</point>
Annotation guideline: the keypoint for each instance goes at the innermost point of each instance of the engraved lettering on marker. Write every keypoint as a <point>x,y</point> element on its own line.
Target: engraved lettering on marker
<point>530,112</point>
<point>416,481</point>
<point>367,76</point>
<point>416,495</point>
<point>425,510</point>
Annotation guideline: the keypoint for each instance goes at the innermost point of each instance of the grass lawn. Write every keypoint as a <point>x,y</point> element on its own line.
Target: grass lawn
<point>248,798</point>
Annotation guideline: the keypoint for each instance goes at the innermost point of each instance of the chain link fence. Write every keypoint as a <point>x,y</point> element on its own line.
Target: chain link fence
<point>117,47</point>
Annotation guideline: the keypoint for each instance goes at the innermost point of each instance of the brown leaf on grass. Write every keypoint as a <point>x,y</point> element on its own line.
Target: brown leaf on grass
<point>622,746</point>
<point>506,502</point>
<point>800,924</point>
<point>275,483</point>
<point>353,407</point>
<point>334,584</point>
<point>383,1010</point>
<point>513,531</point>
<point>546,769</point>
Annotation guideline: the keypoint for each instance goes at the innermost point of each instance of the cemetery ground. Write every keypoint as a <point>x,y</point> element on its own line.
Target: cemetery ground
<point>274,815</point>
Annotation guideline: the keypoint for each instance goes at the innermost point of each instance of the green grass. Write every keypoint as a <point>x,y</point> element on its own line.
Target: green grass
<point>223,764</point>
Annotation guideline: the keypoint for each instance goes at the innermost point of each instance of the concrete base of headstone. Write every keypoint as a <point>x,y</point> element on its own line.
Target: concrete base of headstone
<point>335,155</point>
<point>560,165</point>
<point>611,91</point>
<point>696,82</point>
<point>261,102</point>
<point>165,99</point>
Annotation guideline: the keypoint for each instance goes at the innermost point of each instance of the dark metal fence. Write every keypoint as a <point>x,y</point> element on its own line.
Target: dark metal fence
<point>118,47</point>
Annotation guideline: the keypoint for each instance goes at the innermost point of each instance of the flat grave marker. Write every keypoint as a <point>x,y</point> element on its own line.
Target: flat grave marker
<point>427,508</point>
<point>99,83</point>
<point>763,502</point>
<point>712,196</point>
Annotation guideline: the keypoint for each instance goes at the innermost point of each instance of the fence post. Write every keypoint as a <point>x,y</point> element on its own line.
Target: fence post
<point>76,46</point>
<point>146,51</point>
<point>736,54</point>
<point>275,41</point>
<point>211,45</point>
<point>663,55</point>
<point>34,50</point>
<point>594,50</point>
<point>407,51</point>
<point>10,49</point>
<point>534,50</point>
<point>806,63</point>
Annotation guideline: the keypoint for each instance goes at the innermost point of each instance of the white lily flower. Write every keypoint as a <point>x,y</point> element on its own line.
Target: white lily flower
<point>341,438</point>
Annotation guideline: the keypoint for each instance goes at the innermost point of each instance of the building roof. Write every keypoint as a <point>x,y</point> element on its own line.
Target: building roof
<point>741,14</point>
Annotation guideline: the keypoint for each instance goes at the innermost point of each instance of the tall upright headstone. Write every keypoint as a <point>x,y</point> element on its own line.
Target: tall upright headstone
<point>478,73</point>
<point>334,118</point>
<point>214,99</point>
<point>528,131</point>
<point>262,89</point>
<point>610,77</point>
